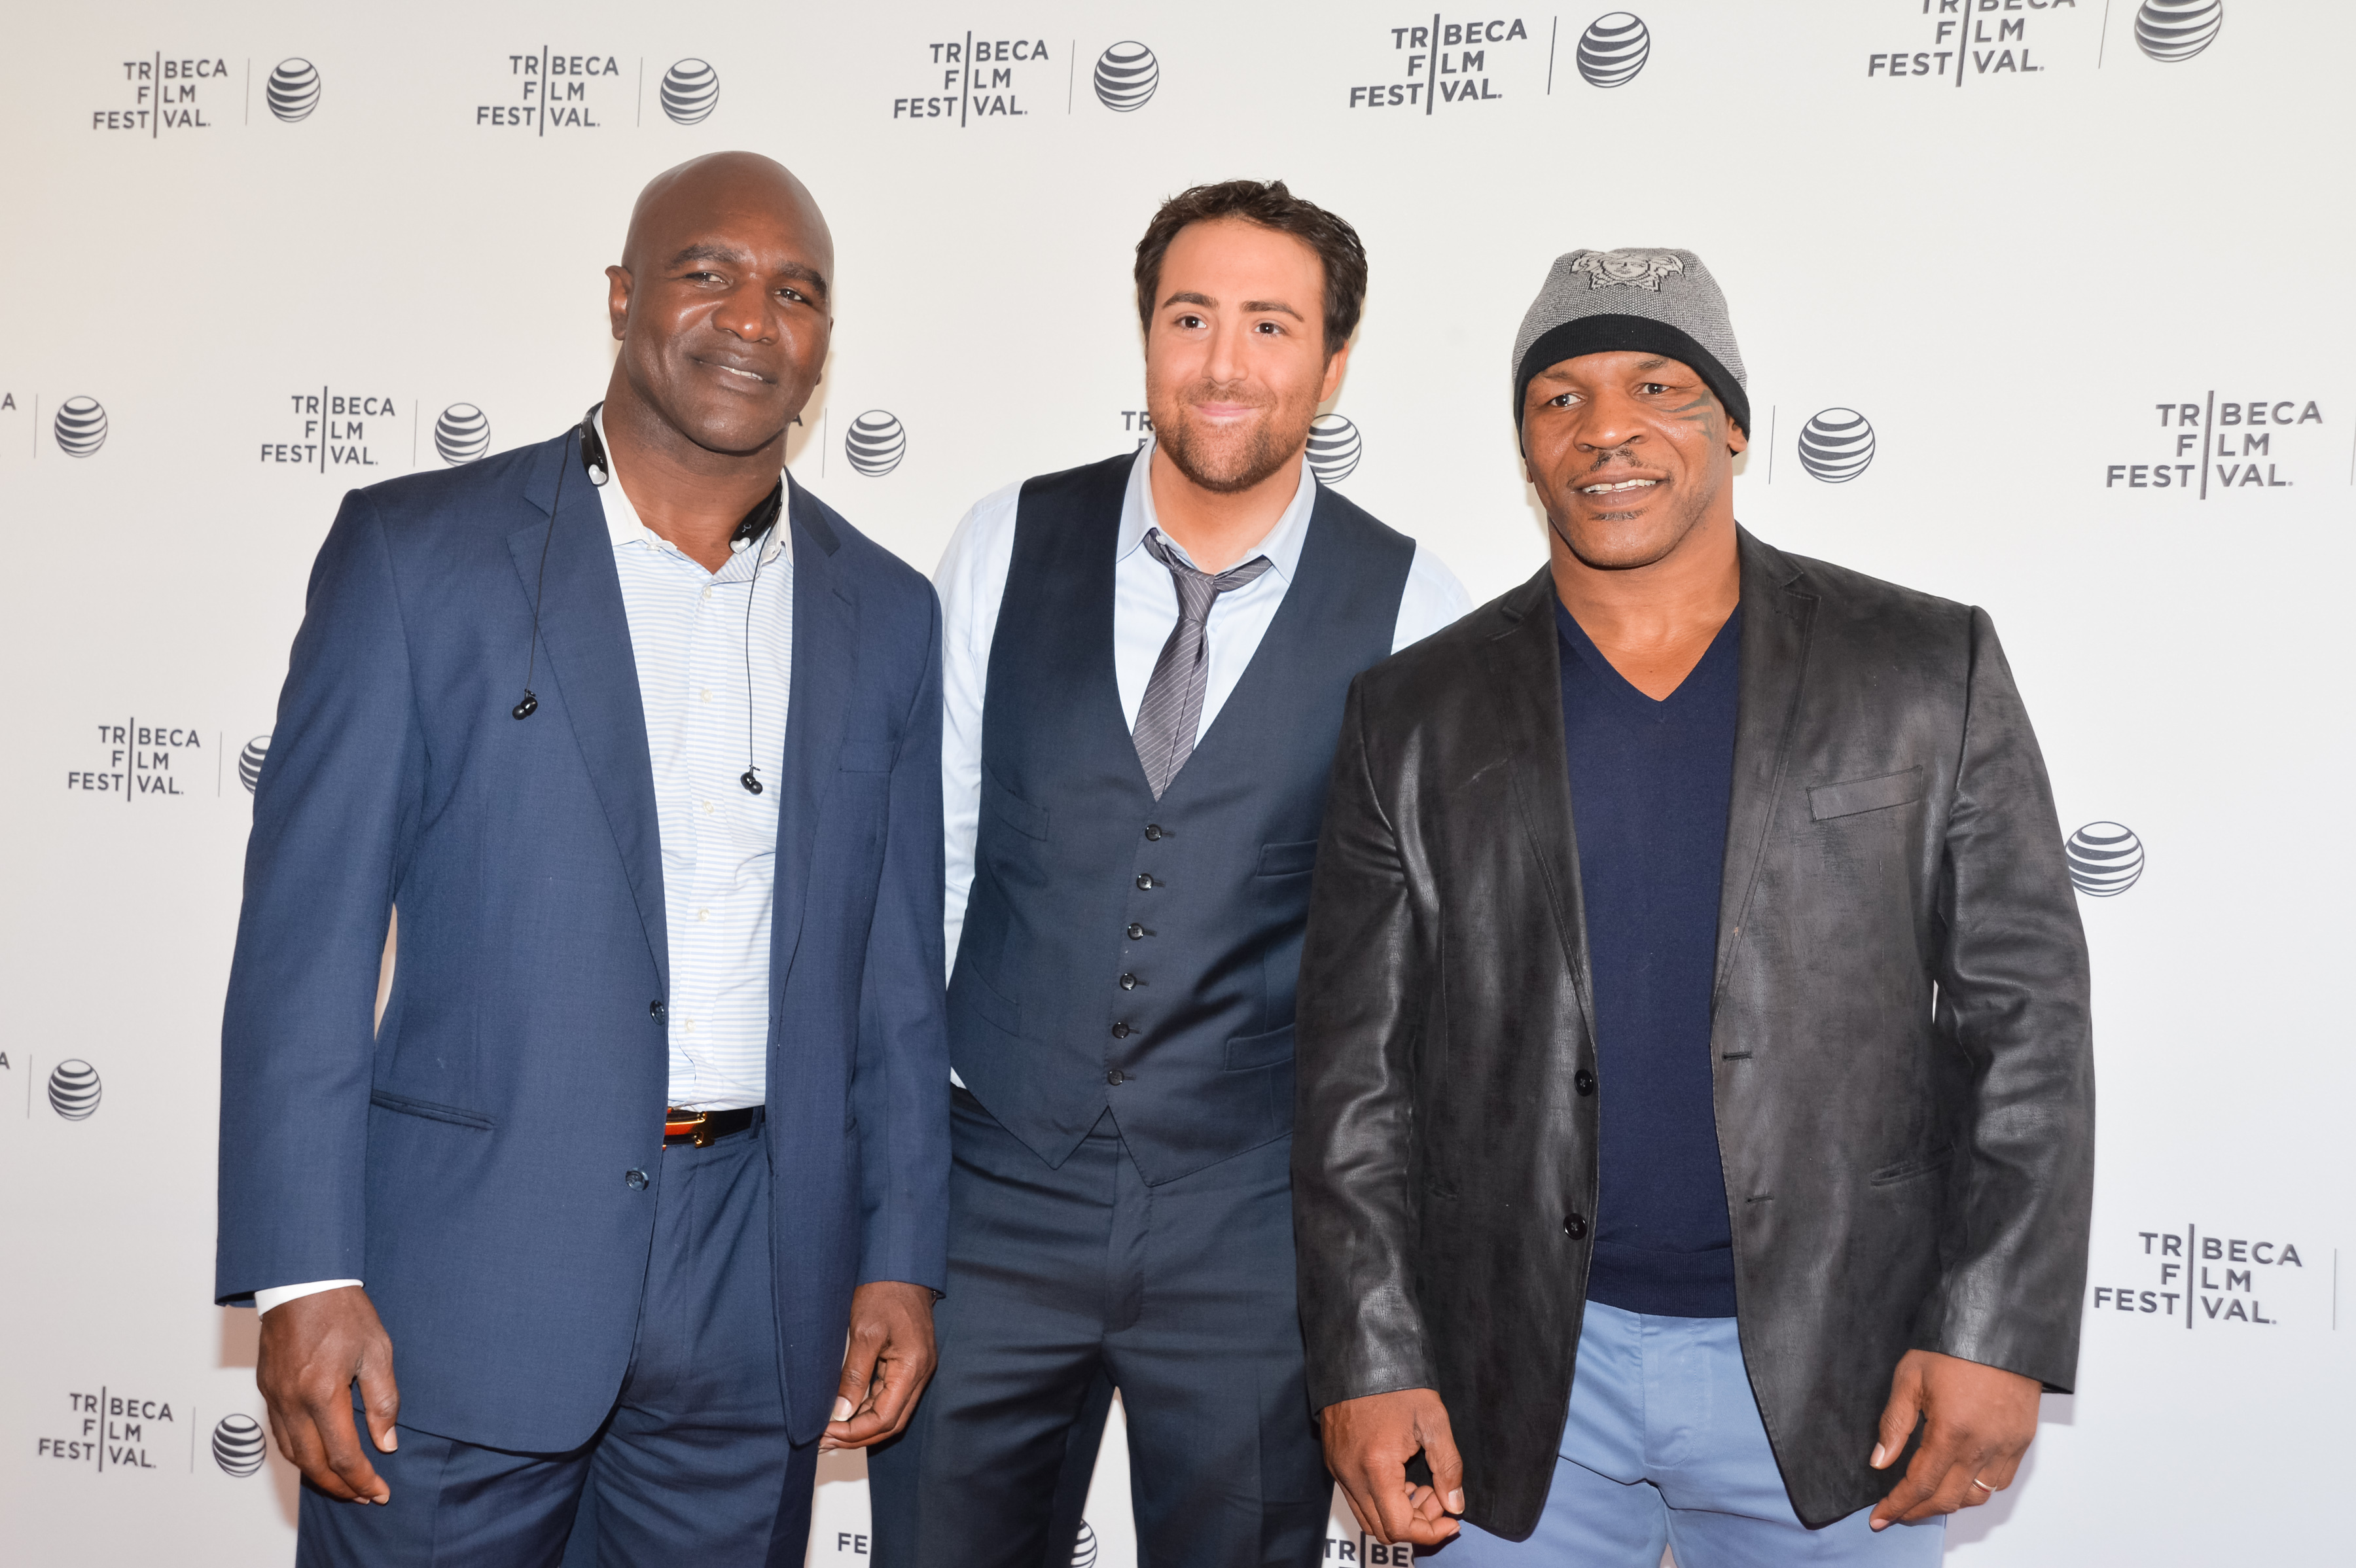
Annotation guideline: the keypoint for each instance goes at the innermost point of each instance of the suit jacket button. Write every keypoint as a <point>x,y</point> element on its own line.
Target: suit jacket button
<point>655,1010</point>
<point>637,1180</point>
<point>1116,1078</point>
<point>1136,932</point>
<point>1584,1080</point>
<point>1575,1226</point>
<point>1120,1031</point>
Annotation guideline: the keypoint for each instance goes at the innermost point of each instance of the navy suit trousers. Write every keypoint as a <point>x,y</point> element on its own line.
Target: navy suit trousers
<point>693,1463</point>
<point>1182,1293</point>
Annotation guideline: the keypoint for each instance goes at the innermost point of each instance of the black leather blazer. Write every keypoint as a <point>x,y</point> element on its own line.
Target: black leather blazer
<point>1904,1081</point>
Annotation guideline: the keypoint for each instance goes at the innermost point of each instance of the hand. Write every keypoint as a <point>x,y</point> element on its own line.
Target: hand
<point>1980,1422</point>
<point>313,1347</point>
<point>1367,1444</point>
<point>889,1360</point>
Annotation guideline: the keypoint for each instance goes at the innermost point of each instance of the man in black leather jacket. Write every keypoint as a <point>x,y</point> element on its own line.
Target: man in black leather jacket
<point>1693,1000</point>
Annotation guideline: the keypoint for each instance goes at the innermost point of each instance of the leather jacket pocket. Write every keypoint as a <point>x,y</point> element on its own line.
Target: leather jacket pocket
<point>1907,1170</point>
<point>1851,796</point>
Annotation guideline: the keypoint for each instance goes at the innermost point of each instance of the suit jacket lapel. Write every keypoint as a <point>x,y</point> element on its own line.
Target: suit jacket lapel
<point>1777,612</point>
<point>585,654</point>
<point>826,666</point>
<point>1526,680</point>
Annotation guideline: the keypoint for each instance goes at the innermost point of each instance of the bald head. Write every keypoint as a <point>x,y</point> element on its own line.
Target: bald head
<point>723,304</point>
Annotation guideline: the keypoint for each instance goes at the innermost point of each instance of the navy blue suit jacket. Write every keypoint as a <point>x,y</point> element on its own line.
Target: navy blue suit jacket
<point>469,1159</point>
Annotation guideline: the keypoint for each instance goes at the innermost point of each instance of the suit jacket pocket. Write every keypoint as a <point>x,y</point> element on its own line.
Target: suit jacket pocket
<point>1288,859</point>
<point>402,1105</point>
<point>1855,795</point>
<point>1246,1051</point>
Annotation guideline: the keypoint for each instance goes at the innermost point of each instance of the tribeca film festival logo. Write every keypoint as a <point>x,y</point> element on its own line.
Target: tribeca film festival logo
<point>1964,38</point>
<point>2230,445</point>
<point>143,761</point>
<point>971,79</point>
<point>201,93</point>
<point>875,443</point>
<point>551,90</point>
<point>2207,1280</point>
<point>109,1431</point>
<point>1446,64</point>
<point>2105,859</point>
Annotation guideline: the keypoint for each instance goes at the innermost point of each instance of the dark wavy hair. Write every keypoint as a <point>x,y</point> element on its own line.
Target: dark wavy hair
<point>1269,204</point>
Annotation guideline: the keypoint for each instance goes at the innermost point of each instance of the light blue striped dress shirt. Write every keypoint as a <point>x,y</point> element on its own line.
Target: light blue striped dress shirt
<point>694,649</point>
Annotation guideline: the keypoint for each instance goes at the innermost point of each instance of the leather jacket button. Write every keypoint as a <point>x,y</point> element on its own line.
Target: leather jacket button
<point>1584,1080</point>
<point>637,1180</point>
<point>1120,1031</point>
<point>1144,881</point>
<point>1136,932</point>
<point>1154,832</point>
<point>1128,982</point>
<point>1575,1227</point>
<point>1116,1078</point>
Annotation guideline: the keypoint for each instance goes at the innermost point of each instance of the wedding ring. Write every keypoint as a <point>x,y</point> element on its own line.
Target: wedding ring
<point>1982,1486</point>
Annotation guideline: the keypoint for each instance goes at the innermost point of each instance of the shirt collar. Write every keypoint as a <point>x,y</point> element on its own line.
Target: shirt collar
<point>624,527</point>
<point>1281,544</point>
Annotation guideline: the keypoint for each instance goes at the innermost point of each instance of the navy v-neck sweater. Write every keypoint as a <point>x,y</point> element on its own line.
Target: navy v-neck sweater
<point>1649,788</point>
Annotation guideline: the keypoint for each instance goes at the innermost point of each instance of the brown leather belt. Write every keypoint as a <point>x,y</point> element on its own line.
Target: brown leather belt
<point>701,1127</point>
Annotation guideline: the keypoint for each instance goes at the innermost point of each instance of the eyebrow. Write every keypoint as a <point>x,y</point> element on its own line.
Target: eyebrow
<point>1271,306</point>
<point>728,253</point>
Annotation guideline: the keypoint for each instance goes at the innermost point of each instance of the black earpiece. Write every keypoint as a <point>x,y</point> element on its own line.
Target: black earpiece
<point>593,459</point>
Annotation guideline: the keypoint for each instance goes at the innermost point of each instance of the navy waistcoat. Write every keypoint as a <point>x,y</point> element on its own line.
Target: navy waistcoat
<point>1136,955</point>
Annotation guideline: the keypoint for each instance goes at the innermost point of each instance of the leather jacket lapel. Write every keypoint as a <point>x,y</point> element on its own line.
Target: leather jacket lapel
<point>1777,612</point>
<point>584,639</point>
<point>1526,683</point>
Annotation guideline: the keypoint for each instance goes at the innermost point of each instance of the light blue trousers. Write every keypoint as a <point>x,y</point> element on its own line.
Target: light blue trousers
<point>1665,1448</point>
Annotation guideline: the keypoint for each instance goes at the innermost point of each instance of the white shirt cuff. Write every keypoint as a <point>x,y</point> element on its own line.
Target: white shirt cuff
<point>264,1300</point>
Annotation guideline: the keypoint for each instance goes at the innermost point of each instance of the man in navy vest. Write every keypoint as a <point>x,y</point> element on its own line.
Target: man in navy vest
<point>1144,664</point>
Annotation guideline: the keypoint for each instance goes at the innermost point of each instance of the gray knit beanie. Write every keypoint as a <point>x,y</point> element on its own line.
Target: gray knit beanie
<point>1652,301</point>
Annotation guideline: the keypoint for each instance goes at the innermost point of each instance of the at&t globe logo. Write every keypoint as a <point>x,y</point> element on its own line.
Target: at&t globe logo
<point>74,1089</point>
<point>2105,859</point>
<point>1836,446</point>
<point>238,1445</point>
<point>1125,76</point>
<point>249,761</point>
<point>292,90</point>
<point>2173,30</point>
<point>1334,448</point>
<point>876,443</point>
<point>690,91</point>
<point>462,433</point>
<point>1084,1549</point>
<point>79,426</point>
<point>1613,50</point>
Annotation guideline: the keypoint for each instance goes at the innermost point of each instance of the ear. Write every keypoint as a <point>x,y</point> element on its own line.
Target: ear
<point>1336,363</point>
<point>1738,440</point>
<point>617,299</point>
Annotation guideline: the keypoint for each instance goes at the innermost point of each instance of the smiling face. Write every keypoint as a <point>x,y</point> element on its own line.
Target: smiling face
<point>1236,362</point>
<point>1631,454</point>
<point>721,302</point>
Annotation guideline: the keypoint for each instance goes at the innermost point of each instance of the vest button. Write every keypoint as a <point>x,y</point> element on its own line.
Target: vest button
<point>1145,883</point>
<point>637,1180</point>
<point>1154,832</point>
<point>1128,982</point>
<point>1120,1031</point>
<point>1116,1078</point>
<point>1583,1081</point>
<point>1575,1226</point>
<point>1136,932</point>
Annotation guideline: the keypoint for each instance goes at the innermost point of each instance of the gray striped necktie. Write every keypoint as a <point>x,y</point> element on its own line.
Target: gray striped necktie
<point>1172,709</point>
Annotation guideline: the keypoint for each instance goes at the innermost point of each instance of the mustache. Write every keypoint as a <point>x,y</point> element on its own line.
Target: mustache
<point>1620,453</point>
<point>1225,391</point>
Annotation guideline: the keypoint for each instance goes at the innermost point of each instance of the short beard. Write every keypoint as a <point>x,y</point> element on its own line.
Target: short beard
<point>1268,450</point>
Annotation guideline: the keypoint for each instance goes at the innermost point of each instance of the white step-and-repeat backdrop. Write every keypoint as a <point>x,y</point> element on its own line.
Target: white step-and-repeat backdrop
<point>2047,305</point>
